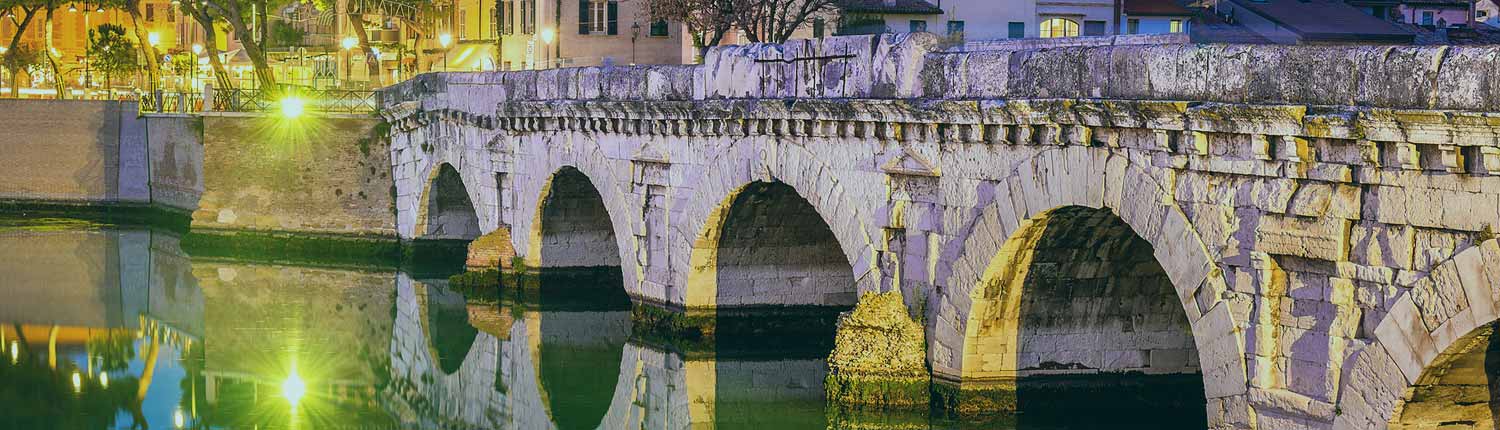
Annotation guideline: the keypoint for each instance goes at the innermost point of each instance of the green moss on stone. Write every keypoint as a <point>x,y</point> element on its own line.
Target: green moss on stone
<point>296,248</point>
<point>971,400</point>
<point>879,357</point>
<point>480,286</point>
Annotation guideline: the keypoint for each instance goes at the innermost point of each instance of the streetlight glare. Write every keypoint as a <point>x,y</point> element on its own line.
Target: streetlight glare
<point>197,49</point>
<point>153,38</point>
<point>293,388</point>
<point>77,382</point>
<point>547,35</point>
<point>291,107</point>
<point>445,39</point>
<point>349,42</point>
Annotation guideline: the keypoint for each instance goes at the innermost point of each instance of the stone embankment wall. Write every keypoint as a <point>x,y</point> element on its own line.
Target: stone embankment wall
<point>306,175</point>
<point>97,152</point>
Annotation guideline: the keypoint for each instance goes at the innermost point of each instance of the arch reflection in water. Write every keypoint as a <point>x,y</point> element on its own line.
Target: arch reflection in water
<point>214,343</point>
<point>564,360</point>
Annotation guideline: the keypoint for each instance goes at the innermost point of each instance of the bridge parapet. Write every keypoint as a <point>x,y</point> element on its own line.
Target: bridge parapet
<point>918,66</point>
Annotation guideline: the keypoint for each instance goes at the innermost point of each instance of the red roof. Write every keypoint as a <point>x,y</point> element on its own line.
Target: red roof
<point>1155,8</point>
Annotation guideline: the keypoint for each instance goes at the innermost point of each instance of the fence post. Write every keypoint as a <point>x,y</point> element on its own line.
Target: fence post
<point>208,97</point>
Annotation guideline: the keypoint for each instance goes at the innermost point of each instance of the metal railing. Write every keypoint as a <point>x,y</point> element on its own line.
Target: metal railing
<point>261,100</point>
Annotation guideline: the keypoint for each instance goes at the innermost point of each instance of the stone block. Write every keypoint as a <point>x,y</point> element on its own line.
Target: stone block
<point>1315,238</point>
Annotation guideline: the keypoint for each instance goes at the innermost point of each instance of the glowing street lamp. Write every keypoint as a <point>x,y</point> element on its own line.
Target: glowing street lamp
<point>445,39</point>
<point>349,42</point>
<point>197,49</point>
<point>153,38</point>
<point>291,108</point>
<point>547,35</point>
<point>77,382</point>
<point>293,388</point>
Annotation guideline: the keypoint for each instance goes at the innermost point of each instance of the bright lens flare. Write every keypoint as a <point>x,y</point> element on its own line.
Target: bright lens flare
<point>77,382</point>
<point>293,389</point>
<point>104,380</point>
<point>178,420</point>
<point>291,107</point>
<point>349,42</point>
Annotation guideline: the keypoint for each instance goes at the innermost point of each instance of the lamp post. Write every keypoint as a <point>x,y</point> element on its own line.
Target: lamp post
<point>547,34</point>
<point>348,43</point>
<point>635,33</point>
<point>445,39</point>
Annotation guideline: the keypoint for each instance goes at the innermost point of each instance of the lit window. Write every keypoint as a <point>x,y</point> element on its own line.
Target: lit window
<point>1059,27</point>
<point>1176,26</point>
<point>598,16</point>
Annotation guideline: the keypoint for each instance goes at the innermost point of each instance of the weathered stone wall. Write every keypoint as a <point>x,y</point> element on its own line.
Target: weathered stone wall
<point>450,213</point>
<point>1324,214</point>
<point>308,175</point>
<point>1077,292</point>
<point>575,228</point>
<point>97,152</point>
<point>776,250</point>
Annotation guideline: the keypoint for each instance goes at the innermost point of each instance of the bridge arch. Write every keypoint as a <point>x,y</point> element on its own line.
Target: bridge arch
<point>1064,188</point>
<point>1438,335</point>
<point>732,182</point>
<point>447,209</point>
<point>579,158</point>
<point>572,227</point>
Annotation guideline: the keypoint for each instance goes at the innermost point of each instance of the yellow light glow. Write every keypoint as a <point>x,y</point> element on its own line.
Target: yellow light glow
<point>547,35</point>
<point>77,382</point>
<point>293,389</point>
<point>104,379</point>
<point>15,350</point>
<point>178,420</point>
<point>349,42</point>
<point>445,39</point>
<point>197,49</point>
<point>153,38</point>
<point>291,107</point>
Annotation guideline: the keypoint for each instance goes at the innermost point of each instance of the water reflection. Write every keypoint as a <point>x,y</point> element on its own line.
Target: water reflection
<point>117,328</point>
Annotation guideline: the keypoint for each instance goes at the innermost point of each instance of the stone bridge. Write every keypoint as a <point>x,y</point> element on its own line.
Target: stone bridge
<point>1309,228</point>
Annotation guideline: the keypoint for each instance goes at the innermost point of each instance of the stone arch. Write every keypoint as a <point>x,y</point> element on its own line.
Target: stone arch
<point>728,174</point>
<point>1433,327</point>
<point>535,177</point>
<point>767,245</point>
<point>447,208</point>
<point>1088,178</point>
<point>572,227</point>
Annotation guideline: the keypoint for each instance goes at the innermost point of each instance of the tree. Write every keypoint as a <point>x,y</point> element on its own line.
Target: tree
<point>235,12</point>
<point>774,21</point>
<point>760,20</point>
<point>133,8</point>
<point>112,53</point>
<point>707,20</point>
<point>206,20</point>
<point>285,35</point>
<point>50,52</point>
<point>18,57</point>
